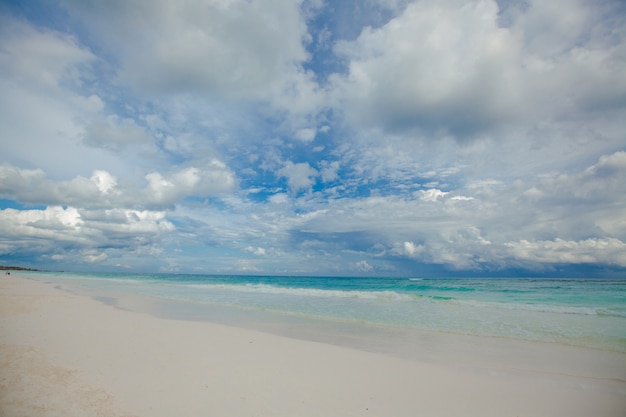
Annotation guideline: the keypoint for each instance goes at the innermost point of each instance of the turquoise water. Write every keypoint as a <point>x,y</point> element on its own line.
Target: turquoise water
<point>581,312</point>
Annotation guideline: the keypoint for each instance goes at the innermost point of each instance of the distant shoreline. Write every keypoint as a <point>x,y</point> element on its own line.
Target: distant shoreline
<point>18,268</point>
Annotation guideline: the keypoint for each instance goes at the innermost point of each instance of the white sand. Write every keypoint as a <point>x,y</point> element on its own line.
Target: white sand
<point>69,355</point>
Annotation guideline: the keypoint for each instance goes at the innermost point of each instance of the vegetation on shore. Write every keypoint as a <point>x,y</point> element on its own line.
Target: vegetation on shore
<point>16,268</point>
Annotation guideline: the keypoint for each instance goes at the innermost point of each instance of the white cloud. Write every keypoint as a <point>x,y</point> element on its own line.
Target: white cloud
<point>128,221</point>
<point>329,170</point>
<point>306,134</point>
<point>41,59</point>
<point>607,251</point>
<point>411,249</point>
<point>78,235</point>
<point>226,55</point>
<point>432,195</point>
<point>93,256</point>
<point>114,134</point>
<point>461,134</point>
<point>237,48</point>
<point>604,181</point>
<point>453,67</point>
<point>102,190</point>
<point>363,266</point>
<point>212,178</point>
<point>477,232</point>
<point>256,251</point>
<point>104,181</point>
<point>42,103</point>
<point>299,176</point>
<point>38,230</point>
<point>439,65</point>
<point>279,199</point>
<point>32,186</point>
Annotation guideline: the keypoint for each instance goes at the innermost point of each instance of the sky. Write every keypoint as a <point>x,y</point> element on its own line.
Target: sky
<point>314,137</point>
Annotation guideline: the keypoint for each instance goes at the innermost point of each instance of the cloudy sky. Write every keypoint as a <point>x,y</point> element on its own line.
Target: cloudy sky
<point>319,137</point>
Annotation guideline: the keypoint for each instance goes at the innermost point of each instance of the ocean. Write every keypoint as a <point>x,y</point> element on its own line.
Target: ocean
<point>579,312</point>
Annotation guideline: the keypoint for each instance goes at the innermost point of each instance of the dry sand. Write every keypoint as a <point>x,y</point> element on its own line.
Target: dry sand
<point>63,354</point>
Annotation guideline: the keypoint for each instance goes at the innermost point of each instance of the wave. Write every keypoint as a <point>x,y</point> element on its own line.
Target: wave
<point>309,292</point>
<point>447,297</point>
<point>393,296</point>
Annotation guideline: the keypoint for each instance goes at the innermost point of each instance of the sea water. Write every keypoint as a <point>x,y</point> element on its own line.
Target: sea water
<point>580,312</point>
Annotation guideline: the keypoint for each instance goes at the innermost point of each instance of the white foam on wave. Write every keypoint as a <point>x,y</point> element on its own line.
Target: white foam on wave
<point>309,292</point>
<point>393,296</point>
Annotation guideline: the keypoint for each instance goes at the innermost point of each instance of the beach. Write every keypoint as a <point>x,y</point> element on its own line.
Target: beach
<point>65,353</point>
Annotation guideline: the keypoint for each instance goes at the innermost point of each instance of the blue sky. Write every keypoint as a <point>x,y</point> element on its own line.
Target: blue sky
<point>371,137</point>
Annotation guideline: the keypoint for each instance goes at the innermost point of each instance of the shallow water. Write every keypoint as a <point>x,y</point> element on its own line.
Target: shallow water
<point>578,312</point>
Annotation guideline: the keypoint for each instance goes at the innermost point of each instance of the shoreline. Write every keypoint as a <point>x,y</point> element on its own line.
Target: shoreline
<point>395,340</point>
<point>594,320</point>
<point>441,347</point>
<point>133,362</point>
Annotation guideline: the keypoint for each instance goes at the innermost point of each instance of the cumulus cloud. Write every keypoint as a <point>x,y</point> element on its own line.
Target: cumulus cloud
<point>432,194</point>
<point>299,176</point>
<point>40,58</point>
<point>45,99</point>
<point>102,189</point>
<point>592,196</point>
<point>329,170</point>
<point>465,135</point>
<point>411,249</point>
<point>590,251</point>
<point>443,65</point>
<point>32,186</point>
<point>164,191</point>
<point>363,266</point>
<point>455,67</point>
<point>474,231</point>
<point>237,48</point>
<point>479,232</point>
<point>306,134</point>
<point>256,251</point>
<point>104,181</point>
<point>80,235</point>
<point>38,230</point>
<point>93,256</point>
